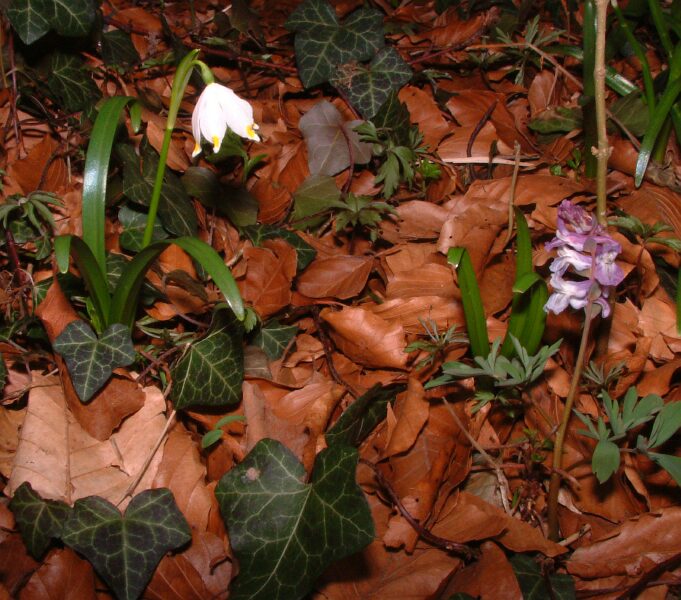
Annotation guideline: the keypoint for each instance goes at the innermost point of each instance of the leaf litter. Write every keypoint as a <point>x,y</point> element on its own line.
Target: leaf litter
<point>354,310</point>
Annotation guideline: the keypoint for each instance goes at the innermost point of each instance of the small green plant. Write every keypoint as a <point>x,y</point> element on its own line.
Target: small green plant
<point>362,212</point>
<point>213,436</point>
<point>436,342</point>
<point>623,421</point>
<point>644,233</point>
<point>599,379</point>
<point>501,379</point>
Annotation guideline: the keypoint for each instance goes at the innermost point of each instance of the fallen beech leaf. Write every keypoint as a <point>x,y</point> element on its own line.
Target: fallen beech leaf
<point>43,168</point>
<point>429,279</point>
<point>62,462</point>
<point>10,422</point>
<point>411,411</point>
<point>409,312</point>
<point>64,576</point>
<point>367,338</point>
<point>424,111</point>
<point>15,563</point>
<point>338,277</point>
<point>456,145</point>
<point>415,220</point>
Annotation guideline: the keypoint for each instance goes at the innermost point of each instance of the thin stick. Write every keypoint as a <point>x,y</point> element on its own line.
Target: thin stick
<point>504,489</point>
<point>147,462</point>
<point>511,200</point>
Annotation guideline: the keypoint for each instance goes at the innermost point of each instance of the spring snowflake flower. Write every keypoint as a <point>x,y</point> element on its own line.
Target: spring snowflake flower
<point>586,250</point>
<point>218,108</point>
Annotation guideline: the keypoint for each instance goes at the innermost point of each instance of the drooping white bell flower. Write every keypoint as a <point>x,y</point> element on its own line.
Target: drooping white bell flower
<point>218,108</point>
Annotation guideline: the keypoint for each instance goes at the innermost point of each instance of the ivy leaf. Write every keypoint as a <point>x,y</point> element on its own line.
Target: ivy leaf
<point>304,252</point>
<point>605,460</point>
<point>91,360</point>
<point>71,83</point>
<point>360,418</point>
<point>535,586</point>
<point>3,372</point>
<point>39,520</point>
<point>367,88</point>
<point>118,49</point>
<point>30,18</point>
<point>73,18</point>
<point>212,370</point>
<point>125,549</point>
<point>134,223</point>
<point>322,43</point>
<point>313,199</point>
<point>285,532</point>
<point>329,140</point>
<point>394,117</point>
<point>274,337</point>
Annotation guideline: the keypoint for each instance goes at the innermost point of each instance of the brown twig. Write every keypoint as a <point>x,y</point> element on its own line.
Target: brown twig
<point>476,130</point>
<point>650,576</point>
<point>424,534</point>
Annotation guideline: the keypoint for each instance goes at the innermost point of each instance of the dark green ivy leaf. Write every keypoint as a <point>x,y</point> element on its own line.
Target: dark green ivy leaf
<point>367,88</point>
<point>317,195</point>
<point>274,337</point>
<point>3,372</point>
<point>394,117</point>
<point>360,418</point>
<point>322,43</point>
<point>210,373</point>
<point>134,223</point>
<point>71,83</point>
<point>285,532</point>
<point>32,19</point>
<point>39,521</point>
<point>73,18</point>
<point>118,49</point>
<point>258,233</point>
<point>91,360</point>
<point>125,549</point>
<point>535,586</point>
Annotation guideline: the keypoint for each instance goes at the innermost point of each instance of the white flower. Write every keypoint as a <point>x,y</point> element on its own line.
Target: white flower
<point>217,108</point>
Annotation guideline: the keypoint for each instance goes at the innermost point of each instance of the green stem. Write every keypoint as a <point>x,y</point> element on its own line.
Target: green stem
<point>182,75</point>
<point>603,151</point>
<point>554,485</point>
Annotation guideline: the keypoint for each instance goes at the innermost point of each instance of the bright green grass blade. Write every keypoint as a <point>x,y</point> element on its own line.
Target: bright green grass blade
<point>473,309</point>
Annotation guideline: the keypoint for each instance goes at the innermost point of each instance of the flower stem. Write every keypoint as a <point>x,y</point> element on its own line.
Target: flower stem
<point>554,485</point>
<point>603,151</point>
<point>182,75</point>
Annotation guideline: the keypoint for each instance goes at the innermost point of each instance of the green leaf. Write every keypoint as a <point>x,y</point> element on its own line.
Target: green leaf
<point>284,532</point>
<point>362,416</point>
<point>39,521</point>
<point>632,112</point>
<point>536,586</point>
<point>474,313</point>
<point>202,183</point>
<point>322,43</point>
<point>3,372</point>
<point>71,83</point>
<point>211,371</point>
<point>125,549</point>
<point>671,464</point>
<point>134,223</point>
<point>73,18</point>
<point>31,19</point>
<point>304,252</point>
<point>118,49</point>
<point>274,337</point>
<point>557,120</point>
<point>605,460</point>
<point>666,424</point>
<point>394,116</point>
<point>314,197</point>
<point>331,142</point>
<point>239,206</point>
<point>368,87</point>
<point>211,437</point>
<point>91,360</point>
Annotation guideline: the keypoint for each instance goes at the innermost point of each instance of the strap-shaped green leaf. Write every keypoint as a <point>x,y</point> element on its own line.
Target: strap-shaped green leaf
<point>322,44</point>
<point>125,549</point>
<point>96,174</point>
<point>91,360</point>
<point>285,532</point>
<point>473,309</point>
<point>68,245</point>
<point>369,87</point>
<point>211,371</point>
<point>39,521</point>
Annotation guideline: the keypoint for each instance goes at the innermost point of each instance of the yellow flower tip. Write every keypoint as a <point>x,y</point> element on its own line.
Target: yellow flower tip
<point>217,142</point>
<point>251,134</point>
<point>197,150</point>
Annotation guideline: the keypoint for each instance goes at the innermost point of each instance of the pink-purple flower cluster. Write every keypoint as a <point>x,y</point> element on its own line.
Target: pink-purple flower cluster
<point>587,250</point>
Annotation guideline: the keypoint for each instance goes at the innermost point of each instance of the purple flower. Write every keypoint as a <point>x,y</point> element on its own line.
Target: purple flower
<point>586,250</point>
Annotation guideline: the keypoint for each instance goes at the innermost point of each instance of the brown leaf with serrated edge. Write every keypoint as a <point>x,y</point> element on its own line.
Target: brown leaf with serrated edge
<point>411,411</point>
<point>183,473</point>
<point>367,338</point>
<point>270,271</point>
<point>62,576</point>
<point>424,112</point>
<point>63,462</point>
<point>491,577</point>
<point>337,277</point>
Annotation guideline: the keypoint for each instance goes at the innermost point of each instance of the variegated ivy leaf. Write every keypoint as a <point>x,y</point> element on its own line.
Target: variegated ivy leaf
<point>211,371</point>
<point>322,43</point>
<point>39,520</point>
<point>368,87</point>
<point>32,19</point>
<point>286,532</point>
<point>91,360</point>
<point>125,549</point>
<point>71,83</point>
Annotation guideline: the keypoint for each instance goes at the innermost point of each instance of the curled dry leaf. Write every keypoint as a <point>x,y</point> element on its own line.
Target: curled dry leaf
<point>337,277</point>
<point>411,411</point>
<point>367,338</point>
<point>63,462</point>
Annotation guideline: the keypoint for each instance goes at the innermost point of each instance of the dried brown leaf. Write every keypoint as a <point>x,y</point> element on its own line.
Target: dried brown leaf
<point>62,576</point>
<point>338,277</point>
